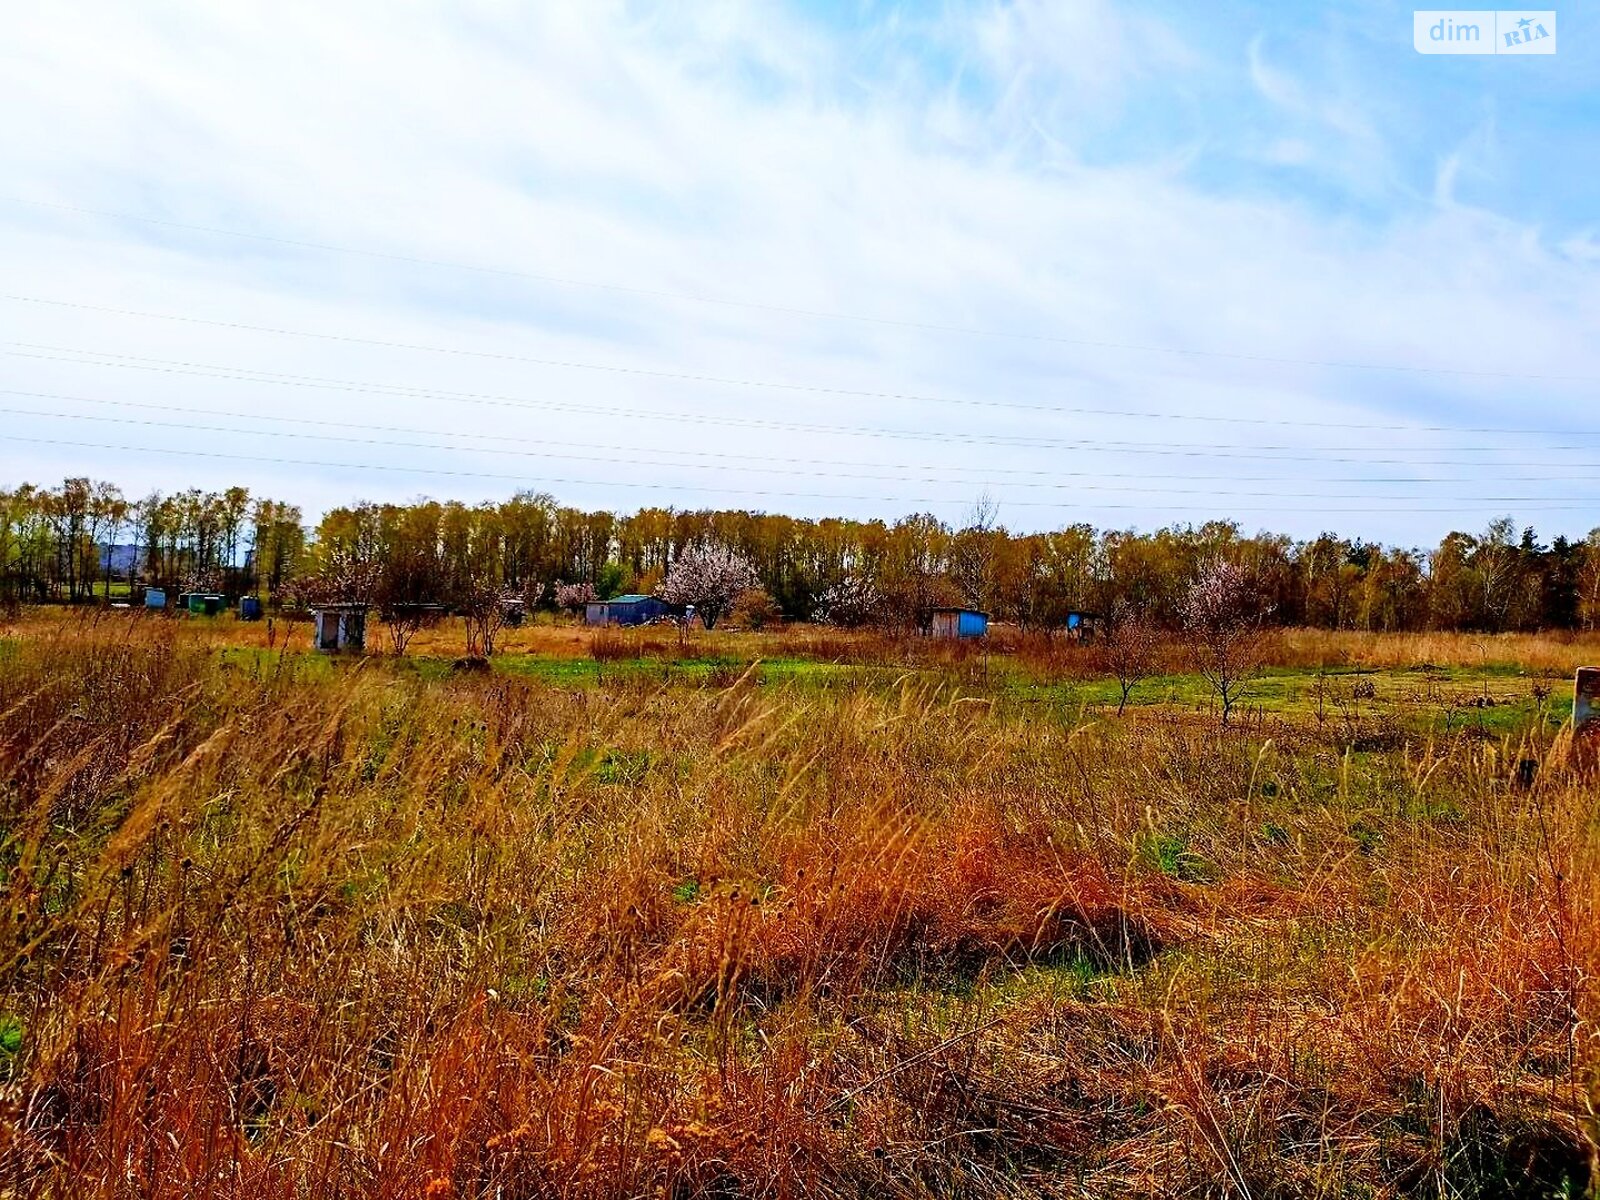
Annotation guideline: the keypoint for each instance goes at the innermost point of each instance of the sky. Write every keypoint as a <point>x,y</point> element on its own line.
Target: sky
<point>1130,264</point>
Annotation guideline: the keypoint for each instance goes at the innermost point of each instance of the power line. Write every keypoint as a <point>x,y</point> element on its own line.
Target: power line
<point>1180,449</point>
<point>793,310</point>
<point>1057,410</point>
<point>778,385</point>
<point>615,483</point>
<point>1148,487</point>
<point>987,473</point>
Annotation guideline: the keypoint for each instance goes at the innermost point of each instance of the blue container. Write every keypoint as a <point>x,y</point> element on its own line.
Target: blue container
<point>250,608</point>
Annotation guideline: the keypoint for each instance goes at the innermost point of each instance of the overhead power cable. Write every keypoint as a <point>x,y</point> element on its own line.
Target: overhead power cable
<point>798,310</point>
<point>772,385</point>
<point>769,462</point>
<point>1182,449</point>
<point>675,487</point>
<point>1149,487</point>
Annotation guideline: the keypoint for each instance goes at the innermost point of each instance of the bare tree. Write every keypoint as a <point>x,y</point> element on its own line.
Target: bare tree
<point>973,551</point>
<point>1499,566</point>
<point>710,577</point>
<point>108,512</point>
<point>1128,649</point>
<point>69,512</point>
<point>914,575</point>
<point>1589,581</point>
<point>403,620</point>
<point>412,580</point>
<point>1223,614</point>
<point>486,607</point>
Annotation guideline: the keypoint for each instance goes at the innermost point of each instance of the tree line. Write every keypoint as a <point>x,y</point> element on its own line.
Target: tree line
<point>86,541</point>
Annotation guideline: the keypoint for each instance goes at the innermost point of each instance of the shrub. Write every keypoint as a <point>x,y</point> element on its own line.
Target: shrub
<point>754,609</point>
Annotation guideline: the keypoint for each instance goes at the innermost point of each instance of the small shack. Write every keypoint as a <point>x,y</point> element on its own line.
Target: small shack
<point>202,604</point>
<point>1082,625</point>
<point>155,598</point>
<point>624,610</point>
<point>339,627</point>
<point>959,623</point>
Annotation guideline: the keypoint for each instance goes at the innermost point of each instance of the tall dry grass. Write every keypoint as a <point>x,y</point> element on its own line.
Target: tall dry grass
<point>1551,652</point>
<point>275,931</point>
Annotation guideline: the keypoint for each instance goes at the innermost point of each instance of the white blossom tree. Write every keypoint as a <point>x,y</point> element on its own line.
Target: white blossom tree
<point>346,578</point>
<point>853,600</point>
<point>1223,613</point>
<point>574,597</point>
<point>709,576</point>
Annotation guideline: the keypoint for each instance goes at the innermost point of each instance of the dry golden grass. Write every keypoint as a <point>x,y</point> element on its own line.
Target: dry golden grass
<point>1550,653</point>
<point>276,931</point>
<point>1558,653</point>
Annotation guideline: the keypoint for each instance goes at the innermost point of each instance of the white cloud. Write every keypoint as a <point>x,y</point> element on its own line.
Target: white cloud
<point>747,156</point>
<point>1289,152</point>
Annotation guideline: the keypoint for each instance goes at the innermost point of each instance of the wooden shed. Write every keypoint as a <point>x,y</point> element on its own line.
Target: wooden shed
<point>959,623</point>
<point>339,627</point>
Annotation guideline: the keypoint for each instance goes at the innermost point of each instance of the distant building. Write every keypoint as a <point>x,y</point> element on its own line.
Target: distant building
<point>202,604</point>
<point>959,623</point>
<point>624,610</point>
<point>339,627</point>
<point>1082,625</point>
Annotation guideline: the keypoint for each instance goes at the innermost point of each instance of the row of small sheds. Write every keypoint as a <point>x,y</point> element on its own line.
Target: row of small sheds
<point>971,623</point>
<point>203,604</point>
<point>947,622</point>
<point>343,626</point>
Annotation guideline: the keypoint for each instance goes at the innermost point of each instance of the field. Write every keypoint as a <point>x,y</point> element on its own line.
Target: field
<point>792,913</point>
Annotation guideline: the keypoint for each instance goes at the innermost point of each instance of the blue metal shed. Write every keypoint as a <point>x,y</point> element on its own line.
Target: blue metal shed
<point>959,623</point>
<point>624,610</point>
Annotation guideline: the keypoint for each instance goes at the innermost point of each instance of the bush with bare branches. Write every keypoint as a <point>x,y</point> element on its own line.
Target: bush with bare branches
<point>1224,614</point>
